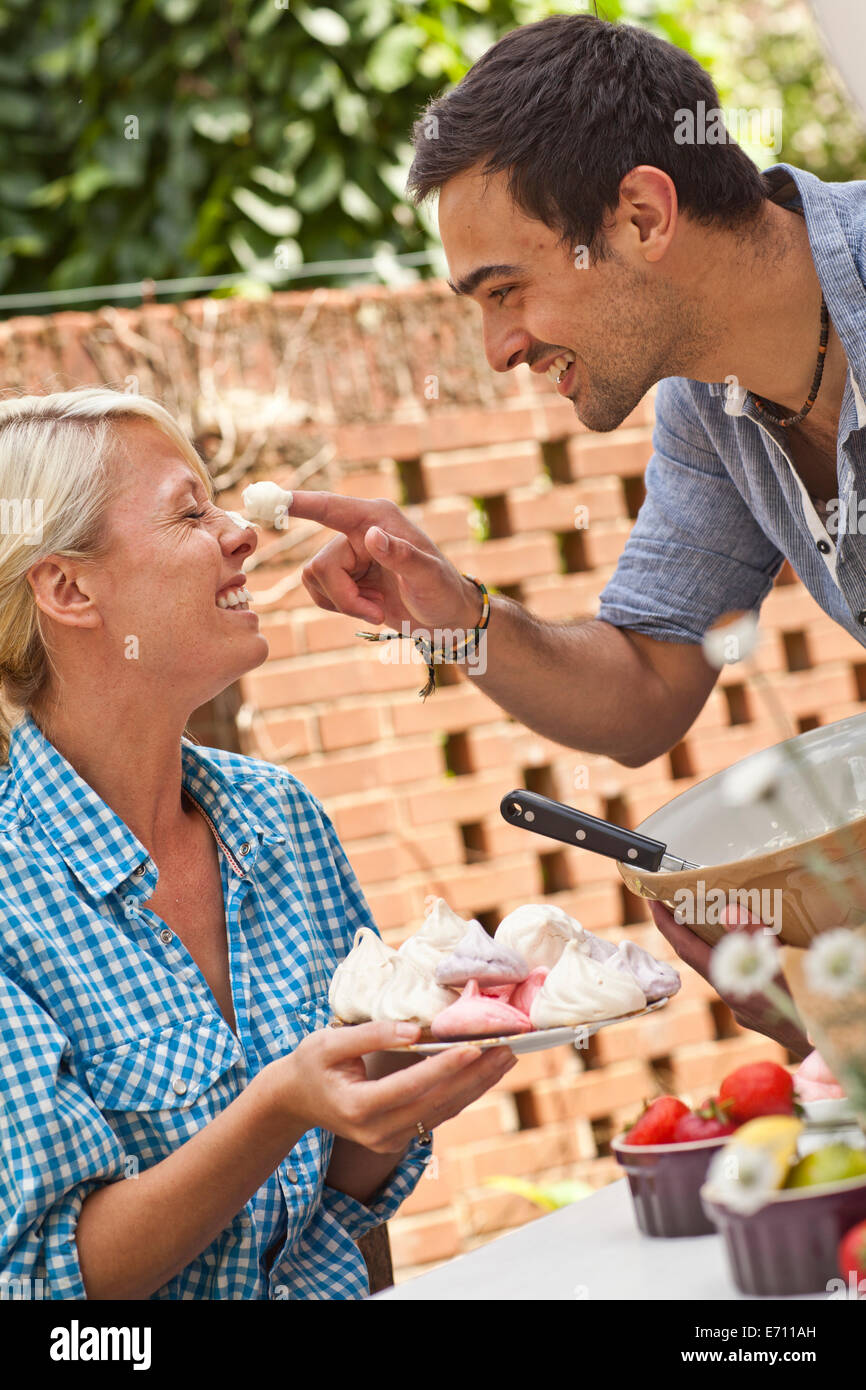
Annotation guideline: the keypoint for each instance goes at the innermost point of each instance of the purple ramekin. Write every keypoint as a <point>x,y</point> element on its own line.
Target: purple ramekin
<point>790,1245</point>
<point>665,1182</point>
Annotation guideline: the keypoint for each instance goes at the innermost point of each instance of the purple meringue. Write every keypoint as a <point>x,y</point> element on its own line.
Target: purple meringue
<point>657,979</point>
<point>478,957</point>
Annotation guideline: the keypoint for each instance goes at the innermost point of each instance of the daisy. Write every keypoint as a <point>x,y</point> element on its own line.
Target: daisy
<point>836,963</point>
<point>743,964</point>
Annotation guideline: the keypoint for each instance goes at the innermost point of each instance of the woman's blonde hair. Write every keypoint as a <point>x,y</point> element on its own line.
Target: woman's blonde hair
<point>56,484</point>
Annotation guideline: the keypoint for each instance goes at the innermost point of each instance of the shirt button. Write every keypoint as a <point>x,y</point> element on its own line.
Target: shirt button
<point>861,617</point>
<point>166,936</point>
<point>291,1175</point>
<point>245,849</point>
<point>140,871</point>
<point>823,546</point>
<point>178,1085</point>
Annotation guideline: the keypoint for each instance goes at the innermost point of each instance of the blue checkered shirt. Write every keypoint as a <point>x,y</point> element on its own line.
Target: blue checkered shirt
<point>114,1050</point>
<point>724,503</point>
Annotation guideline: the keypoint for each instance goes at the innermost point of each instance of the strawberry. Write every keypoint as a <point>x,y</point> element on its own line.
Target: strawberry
<point>656,1124</point>
<point>711,1121</point>
<point>852,1253</point>
<point>761,1088</point>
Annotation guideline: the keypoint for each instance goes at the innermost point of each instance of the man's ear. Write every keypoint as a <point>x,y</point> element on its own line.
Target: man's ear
<point>61,590</point>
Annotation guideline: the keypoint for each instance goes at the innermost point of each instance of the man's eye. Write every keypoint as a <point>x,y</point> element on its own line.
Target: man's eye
<point>500,294</point>
<point>195,516</point>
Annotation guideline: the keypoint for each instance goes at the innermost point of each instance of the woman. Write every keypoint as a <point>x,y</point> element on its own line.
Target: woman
<point>179,1123</point>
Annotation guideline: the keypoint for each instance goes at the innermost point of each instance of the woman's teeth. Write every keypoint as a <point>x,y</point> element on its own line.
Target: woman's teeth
<point>236,598</point>
<point>557,369</point>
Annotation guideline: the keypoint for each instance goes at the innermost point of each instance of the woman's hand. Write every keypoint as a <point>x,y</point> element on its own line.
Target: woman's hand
<point>754,1011</point>
<point>324,1083</point>
<point>383,569</point>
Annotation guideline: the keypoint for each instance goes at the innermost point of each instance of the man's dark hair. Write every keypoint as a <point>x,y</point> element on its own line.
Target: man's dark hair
<point>567,107</point>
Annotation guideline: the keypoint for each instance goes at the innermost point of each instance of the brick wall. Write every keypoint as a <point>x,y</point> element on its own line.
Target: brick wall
<point>376,392</point>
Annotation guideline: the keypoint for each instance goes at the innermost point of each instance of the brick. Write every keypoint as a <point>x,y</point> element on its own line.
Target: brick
<point>656,1035</point>
<point>558,598</point>
<point>443,519</point>
<point>325,632</point>
<point>280,739</point>
<point>553,508</point>
<point>707,1064</point>
<point>826,641</point>
<point>507,561</point>
<point>492,1114</point>
<point>283,639</point>
<point>523,1154</point>
<point>381,859</point>
<point>481,887</point>
<point>400,907</point>
<point>789,607</point>
<point>364,815</point>
<point>808,692</point>
<point>604,541</point>
<point>480,472</point>
<point>533,1067</point>
<point>372,483</point>
<point>449,710</point>
<point>350,725</point>
<point>463,799</point>
<point>715,750</point>
<point>623,453</point>
<point>423,1238</point>
<point>344,772</point>
<point>590,1094</point>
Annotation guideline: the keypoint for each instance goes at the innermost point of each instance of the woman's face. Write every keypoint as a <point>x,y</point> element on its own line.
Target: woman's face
<point>171,553</point>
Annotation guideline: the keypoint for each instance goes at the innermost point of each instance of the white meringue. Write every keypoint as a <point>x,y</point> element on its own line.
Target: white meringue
<point>582,990</point>
<point>411,995</point>
<point>657,979</point>
<point>538,932</point>
<point>359,977</point>
<point>435,939</point>
<point>267,504</point>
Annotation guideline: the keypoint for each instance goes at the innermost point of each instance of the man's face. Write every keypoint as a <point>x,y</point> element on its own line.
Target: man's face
<point>616,317</point>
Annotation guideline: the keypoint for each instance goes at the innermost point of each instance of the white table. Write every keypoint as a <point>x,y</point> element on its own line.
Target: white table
<point>589,1250</point>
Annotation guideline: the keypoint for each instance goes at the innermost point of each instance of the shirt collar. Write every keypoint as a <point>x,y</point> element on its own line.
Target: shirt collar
<point>96,845</point>
<point>838,274</point>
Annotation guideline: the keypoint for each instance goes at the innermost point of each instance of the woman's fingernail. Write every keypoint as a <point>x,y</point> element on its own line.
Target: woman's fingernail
<point>383,540</point>
<point>406,1030</point>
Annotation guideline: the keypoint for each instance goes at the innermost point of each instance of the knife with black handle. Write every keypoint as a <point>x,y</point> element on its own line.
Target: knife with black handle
<point>560,822</point>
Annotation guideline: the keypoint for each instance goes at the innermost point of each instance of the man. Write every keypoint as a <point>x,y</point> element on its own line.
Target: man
<point>603,249</point>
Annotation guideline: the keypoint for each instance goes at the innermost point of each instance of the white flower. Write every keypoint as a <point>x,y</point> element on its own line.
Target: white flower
<point>743,964</point>
<point>743,1177</point>
<point>836,963</point>
<point>753,779</point>
<point>732,638</point>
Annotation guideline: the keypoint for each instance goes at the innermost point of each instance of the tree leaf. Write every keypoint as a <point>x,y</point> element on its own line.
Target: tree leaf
<point>275,220</point>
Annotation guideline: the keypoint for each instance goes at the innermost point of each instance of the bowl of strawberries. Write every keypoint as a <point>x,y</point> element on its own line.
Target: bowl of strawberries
<point>667,1151</point>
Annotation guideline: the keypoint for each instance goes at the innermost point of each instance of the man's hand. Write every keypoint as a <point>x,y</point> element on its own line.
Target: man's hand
<point>754,1011</point>
<point>383,569</point>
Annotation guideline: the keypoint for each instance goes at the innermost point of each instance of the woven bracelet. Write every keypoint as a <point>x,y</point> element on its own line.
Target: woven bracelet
<point>434,656</point>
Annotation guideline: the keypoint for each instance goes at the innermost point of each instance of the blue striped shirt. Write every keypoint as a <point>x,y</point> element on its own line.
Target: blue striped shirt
<point>724,504</point>
<point>114,1050</point>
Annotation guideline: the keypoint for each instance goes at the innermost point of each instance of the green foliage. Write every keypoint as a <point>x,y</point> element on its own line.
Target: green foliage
<point>163,138</point>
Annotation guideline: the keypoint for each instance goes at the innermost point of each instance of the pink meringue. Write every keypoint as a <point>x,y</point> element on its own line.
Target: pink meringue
<point>477,1015</point>
<point>813,1080</point>
<point>523,994</point>
<point>478,957</point>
